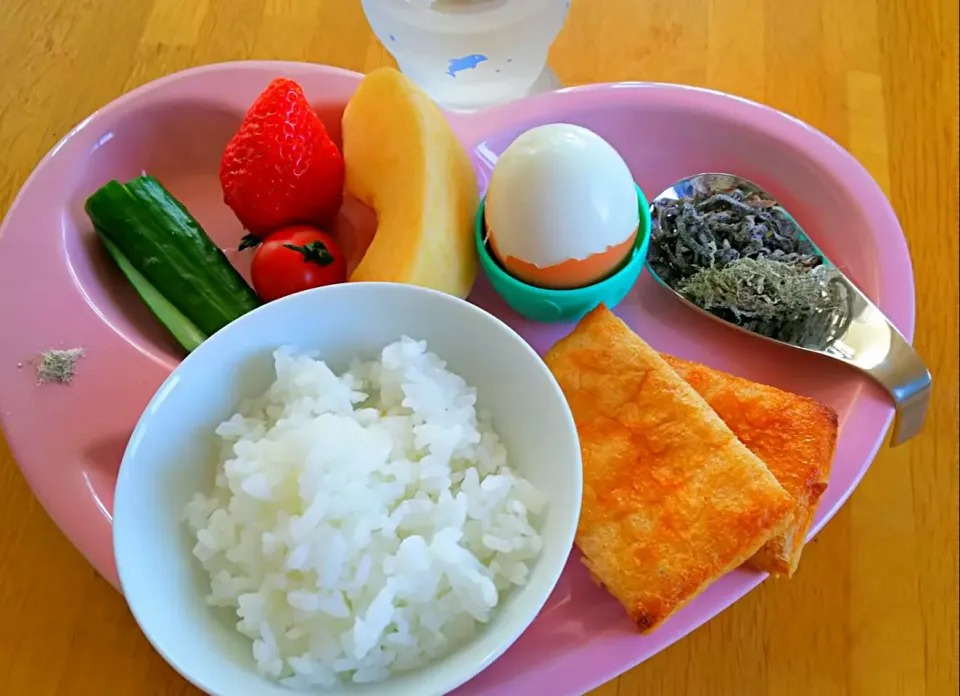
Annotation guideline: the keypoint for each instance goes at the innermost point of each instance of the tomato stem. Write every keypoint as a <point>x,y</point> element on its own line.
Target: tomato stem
<point>249,241</point>
<point>314,252</point>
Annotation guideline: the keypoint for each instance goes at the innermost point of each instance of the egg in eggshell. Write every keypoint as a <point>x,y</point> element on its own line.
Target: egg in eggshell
<point>561,209</point>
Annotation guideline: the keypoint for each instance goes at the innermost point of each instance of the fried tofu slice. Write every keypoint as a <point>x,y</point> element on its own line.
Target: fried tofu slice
<point>794,435</point>
<point>672,500</point>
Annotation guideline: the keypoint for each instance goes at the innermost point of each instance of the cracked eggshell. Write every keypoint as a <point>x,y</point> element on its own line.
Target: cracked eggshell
<point>561,208</point>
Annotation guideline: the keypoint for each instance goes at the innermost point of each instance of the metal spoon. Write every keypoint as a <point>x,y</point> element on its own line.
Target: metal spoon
<point>860,335</point>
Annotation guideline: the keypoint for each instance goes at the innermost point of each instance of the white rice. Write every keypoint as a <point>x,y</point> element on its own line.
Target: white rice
<point>365,523</point>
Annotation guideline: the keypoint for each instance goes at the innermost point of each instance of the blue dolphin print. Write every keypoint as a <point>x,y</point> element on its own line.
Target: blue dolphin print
<point>465,63</point>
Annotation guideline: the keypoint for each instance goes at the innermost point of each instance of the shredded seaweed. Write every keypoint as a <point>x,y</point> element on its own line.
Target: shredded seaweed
<point>743,258</point>
<point>771,298</point>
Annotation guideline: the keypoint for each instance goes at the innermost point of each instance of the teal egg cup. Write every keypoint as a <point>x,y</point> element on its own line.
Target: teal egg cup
<point>547,305</point>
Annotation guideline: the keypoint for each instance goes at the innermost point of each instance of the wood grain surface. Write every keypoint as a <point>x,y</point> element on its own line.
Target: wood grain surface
<point>873,610</point>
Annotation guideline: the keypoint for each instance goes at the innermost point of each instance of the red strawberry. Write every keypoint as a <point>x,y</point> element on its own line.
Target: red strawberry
<point>282,168</point>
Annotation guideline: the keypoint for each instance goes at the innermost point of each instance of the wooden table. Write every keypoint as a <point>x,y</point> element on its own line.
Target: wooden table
<point>873,610</point>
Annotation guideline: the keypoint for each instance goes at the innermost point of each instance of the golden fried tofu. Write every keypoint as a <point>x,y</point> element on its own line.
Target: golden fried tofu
<point>794,435</point>
<point>672,500</point>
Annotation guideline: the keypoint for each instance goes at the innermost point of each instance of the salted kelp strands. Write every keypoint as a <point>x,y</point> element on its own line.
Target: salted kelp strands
<point>741,257</point>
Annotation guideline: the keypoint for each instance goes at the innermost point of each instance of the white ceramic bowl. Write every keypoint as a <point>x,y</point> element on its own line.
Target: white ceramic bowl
<point>170,455</point>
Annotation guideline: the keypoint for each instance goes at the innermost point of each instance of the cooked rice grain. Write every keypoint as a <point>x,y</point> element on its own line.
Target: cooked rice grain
<point>364,523</point>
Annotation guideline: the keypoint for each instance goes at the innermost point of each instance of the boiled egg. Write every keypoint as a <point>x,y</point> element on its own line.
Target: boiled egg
<point>561,208</point>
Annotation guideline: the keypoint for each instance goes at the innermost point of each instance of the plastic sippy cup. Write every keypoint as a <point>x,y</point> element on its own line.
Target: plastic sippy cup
<point>467,54</point>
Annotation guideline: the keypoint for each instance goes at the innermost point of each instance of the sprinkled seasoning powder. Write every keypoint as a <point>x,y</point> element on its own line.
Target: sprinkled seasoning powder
<point>58,366</point>
<point>743,259</point>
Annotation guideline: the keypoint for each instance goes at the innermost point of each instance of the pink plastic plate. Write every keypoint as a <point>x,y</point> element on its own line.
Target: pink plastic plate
<point>58,290</point>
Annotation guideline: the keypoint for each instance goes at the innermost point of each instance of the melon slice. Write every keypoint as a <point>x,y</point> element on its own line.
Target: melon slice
<point>403,160</point>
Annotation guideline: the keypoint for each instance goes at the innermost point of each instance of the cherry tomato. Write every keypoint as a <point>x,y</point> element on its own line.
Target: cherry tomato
<point>294,259</point>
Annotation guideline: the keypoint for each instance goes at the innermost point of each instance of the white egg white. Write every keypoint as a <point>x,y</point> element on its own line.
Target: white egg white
<point>560,192</point>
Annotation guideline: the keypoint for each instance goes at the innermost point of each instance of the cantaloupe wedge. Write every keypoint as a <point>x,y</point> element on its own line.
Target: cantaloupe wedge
<point>404,161</point>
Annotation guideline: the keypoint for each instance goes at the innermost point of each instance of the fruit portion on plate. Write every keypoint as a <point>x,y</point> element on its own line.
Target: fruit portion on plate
<point>294,259</point>
<point>404,160</point>
<point>281,167</point>
<point>284,178</point>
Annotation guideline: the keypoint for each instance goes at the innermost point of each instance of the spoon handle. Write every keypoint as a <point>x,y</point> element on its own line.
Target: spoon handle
<point>908,380</point>
<point>867,339</point>
<point>874,345</point>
